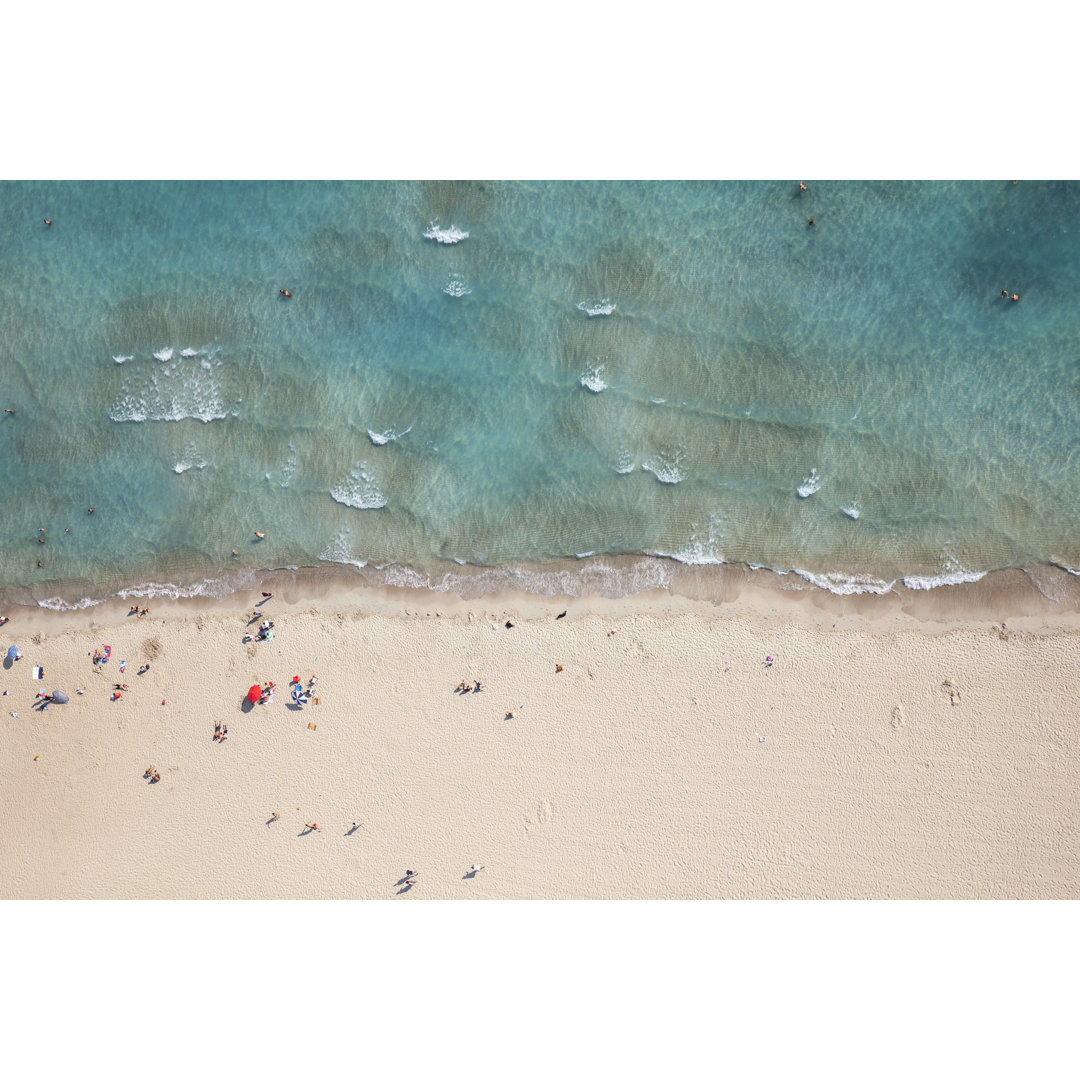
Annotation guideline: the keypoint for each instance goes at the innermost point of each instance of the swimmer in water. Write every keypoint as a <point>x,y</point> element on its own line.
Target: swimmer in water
<point>286,293</point>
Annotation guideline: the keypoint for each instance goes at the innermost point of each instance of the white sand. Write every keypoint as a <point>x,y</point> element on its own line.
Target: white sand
<point>879,758</point>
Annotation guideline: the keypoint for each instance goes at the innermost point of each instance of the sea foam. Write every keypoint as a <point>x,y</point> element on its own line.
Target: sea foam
<point>359,489</point>
<point>592,308</point>
<point>847,584</point>
<point>592,379</point>
<point>175,390</point>
<point>451,235</point>
<point>666,467</point>
<point>456,286</point>
<point>810,486</point>
<point>388,436</point>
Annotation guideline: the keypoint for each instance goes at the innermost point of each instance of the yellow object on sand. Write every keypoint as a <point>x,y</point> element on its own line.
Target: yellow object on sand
<point>311,727</point>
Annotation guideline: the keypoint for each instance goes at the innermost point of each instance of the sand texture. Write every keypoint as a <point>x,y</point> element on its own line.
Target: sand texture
<point>664,761</point>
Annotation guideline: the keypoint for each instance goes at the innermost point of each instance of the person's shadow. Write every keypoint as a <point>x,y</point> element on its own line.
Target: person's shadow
<point>405,888</point>
<point>470,874</point>
<point>352,830</point>
<point>305,832</point>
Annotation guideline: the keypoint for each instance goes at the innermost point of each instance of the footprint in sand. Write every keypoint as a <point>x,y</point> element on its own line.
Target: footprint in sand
<point>898,718</point>
<point>951,692</point>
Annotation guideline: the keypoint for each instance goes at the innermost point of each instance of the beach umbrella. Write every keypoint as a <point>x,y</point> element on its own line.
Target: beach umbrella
<point>59,697</point>
<point>13,652</point>
<point>254,694</point>
<point>298,694</point>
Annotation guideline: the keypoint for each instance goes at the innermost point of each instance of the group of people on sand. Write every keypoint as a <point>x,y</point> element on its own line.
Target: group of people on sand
<point>151,774</point>
<point>135,610</point>
<point>221,732</point>
<point>463,687</point>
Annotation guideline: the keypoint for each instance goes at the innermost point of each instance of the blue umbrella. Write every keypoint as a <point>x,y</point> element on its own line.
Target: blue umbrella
<point>13,652</point>
<point>298,694</point>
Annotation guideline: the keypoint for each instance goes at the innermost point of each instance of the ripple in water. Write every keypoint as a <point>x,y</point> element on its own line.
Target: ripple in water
<point>592,308</point>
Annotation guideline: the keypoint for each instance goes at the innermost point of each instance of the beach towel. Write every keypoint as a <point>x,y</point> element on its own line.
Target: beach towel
<point>36,674</point>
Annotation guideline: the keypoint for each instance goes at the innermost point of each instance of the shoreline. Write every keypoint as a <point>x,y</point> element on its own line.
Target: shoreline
<point>1047,592</point>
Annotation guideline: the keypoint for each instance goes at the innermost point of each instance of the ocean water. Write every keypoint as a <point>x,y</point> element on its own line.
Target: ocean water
<point>505,375</point>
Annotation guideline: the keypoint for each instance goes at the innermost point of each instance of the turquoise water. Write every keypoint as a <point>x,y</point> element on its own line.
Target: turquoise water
<point>417,403</point>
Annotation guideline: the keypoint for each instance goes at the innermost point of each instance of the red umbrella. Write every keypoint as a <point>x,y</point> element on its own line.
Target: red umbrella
<point>254,694</point>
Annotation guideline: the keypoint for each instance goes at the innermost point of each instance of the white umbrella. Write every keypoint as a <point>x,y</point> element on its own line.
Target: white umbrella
<point>298,694</point>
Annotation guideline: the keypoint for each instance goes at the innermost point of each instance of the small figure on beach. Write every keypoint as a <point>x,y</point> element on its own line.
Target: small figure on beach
<point>259,535</point>
<point>1014,297</point>
<point>802,186</point>
<point>116,696</point>
<point>89,509</point>
<point>217,731</point>
<point>509,625</point>
<point>285,293</point>
<point>48,223</point>
<point>267,595</point>
<point>275,816</point>
<point>235,553</point>
<point>768,661</point>
<point>224,732</point>
<point>1004,294</point>
<point>12,411</point>
<point>145,668</point>
<point>134,609</point>
<point>474,869</point>
<point>120,686</point>
<point>810,222</point>
<point>478,687</point>
<point>461,687</point>
<point>145,611</point>
<point>558,668</point>
<point>561,615</point>
<point>312,826</point>
<point>156,777</point>
<point>149,772</point>
<point>3,619</point>
<point>410,877</point>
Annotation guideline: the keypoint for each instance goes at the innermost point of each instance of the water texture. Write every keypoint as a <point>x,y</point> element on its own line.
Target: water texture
<point>506,374</point>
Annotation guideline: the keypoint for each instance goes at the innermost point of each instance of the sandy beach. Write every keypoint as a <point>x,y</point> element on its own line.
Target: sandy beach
<point>893,748</point>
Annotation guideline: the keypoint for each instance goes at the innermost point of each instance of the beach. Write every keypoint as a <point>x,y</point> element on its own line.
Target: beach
<point>914,745</point>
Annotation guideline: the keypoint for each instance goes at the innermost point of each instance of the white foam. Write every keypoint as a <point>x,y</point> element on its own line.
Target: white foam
<point>390,435</point>
<point>57,603</point>
<point>122,359</point>
<point>452,235</point>
<point>176,389</point>
<point>592,379</point>
<point>955,577</point>
<point>190,460</point>
<point>1063,566</point>
<point>852,509</point>
<point>164,355</point>
<point>625,464</point>
<point>658,400</point>
<point>285,473</point>
<point>189,352</point>
<point>218,588</point>
<point>339,550</point>
<point>847,584</point>
<point>359,489</point>
<point>810,485</point>
<point>592,577</point>
<point>456,286</point>
<point>592,308</point>
<point>701,550</point>
<point>666,467</point>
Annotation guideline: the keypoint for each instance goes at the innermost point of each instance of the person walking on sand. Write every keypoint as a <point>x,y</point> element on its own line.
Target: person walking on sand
<point>267,595</point>
<point>275,816</point>
<point>311,826</point>
<point>474,869</point>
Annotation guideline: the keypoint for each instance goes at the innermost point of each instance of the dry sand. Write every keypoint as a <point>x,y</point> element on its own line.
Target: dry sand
<point>883,754</point>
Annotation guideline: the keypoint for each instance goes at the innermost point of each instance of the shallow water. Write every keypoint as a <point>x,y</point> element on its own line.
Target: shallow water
<point>596,369</point>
